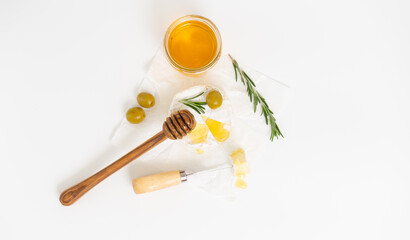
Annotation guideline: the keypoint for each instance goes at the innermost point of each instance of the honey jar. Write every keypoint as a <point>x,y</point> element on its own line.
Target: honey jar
<point>192,44</point>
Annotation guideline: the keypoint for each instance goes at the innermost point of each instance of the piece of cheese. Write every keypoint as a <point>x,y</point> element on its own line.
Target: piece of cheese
<point>199,134</point>
<point>241,167</point>
<point>217,129</point>
<point>240,183</point>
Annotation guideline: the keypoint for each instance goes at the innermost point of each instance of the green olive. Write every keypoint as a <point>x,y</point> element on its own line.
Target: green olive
<point>135,115</point>
<point>214,99</point>
<point>146,100</point>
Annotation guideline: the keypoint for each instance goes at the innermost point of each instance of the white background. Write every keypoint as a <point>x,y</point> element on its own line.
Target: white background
<point>68,68</point>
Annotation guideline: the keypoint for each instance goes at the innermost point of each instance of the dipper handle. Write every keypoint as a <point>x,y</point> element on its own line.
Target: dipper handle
<point>179,124</point>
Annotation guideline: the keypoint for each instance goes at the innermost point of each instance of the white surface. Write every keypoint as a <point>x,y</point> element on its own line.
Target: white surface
<point>68,69</point>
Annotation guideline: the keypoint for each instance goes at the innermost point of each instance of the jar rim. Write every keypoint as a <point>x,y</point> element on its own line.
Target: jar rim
<point>214,29</point>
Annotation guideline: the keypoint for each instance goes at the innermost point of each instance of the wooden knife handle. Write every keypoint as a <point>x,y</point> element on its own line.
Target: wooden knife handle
<point>72,194</point>
<point>157,181</point>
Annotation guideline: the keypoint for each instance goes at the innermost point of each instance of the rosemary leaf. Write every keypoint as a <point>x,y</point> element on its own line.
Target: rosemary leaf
<point>194,105</point>
<point>248,78</point>
<point>193,96</point>
<point>236,73</point>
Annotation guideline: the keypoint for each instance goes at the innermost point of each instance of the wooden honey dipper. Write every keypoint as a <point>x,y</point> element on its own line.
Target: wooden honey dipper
<point>177,125</point>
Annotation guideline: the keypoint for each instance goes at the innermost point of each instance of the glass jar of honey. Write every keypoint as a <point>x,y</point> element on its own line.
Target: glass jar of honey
<point>192,44</point>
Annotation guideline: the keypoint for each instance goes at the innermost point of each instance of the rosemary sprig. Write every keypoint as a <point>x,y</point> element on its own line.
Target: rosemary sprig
<point>256,98</point>
<point>196,106</point>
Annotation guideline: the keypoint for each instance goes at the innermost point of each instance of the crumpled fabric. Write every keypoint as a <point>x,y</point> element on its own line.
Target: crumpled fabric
<point>248,129</point>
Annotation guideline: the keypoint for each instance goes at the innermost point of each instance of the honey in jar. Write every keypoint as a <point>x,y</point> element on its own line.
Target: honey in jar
<point>192,44</point>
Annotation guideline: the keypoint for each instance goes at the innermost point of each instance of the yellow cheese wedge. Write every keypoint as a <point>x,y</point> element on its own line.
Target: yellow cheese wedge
<point>217,129</point>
